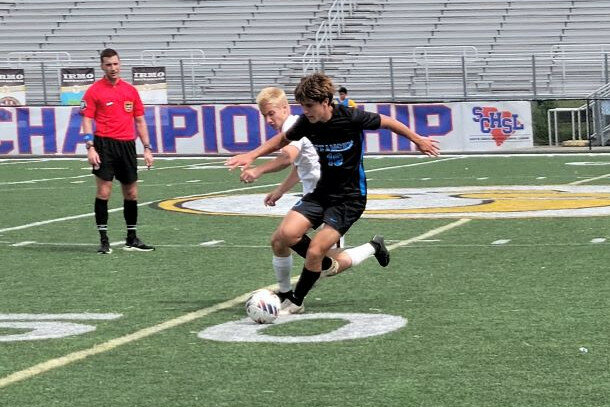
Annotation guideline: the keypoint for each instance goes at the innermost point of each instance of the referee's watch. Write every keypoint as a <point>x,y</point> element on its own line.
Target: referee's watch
<point>88,145</point>
<point>147,147</point>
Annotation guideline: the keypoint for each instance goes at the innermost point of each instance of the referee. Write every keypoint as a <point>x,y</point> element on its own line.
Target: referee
<point>114,105</point>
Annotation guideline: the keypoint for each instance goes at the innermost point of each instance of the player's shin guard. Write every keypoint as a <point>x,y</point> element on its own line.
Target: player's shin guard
<point>306,281</point>
<point>283,267</point>
<point>101,216</point>
<point>301,247</point>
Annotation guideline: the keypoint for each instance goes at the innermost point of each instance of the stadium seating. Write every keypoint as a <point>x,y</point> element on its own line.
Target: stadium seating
<point>401,49</point>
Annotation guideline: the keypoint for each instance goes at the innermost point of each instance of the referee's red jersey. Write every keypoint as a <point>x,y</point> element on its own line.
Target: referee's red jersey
<point>113,107</point>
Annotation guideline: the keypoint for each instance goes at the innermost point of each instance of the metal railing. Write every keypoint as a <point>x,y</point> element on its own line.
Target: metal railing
<point>332,26</point>
<point>464,75</point>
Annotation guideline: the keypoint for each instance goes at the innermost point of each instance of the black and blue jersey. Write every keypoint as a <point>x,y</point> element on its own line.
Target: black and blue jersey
<point>340,145</point>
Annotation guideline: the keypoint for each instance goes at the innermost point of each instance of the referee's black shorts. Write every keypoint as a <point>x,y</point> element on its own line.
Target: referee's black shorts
<point>340,214</point>
<point>119,160</point>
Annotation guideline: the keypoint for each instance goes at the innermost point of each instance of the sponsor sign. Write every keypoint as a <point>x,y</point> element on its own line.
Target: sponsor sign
<point>151,84</point>
<point>231,129</point>
<point>74,84</point>
<point>12,87</point>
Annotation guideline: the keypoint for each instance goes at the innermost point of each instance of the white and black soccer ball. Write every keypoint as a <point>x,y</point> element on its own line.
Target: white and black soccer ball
<point>263,306</point>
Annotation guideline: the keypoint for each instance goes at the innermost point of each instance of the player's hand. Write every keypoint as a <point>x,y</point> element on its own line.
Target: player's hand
<point>249,175</point>
<point>428,146</point>
<point>148,158</point>
<point>240,160</point>
<point>94,158</point>
<point>272,197</point>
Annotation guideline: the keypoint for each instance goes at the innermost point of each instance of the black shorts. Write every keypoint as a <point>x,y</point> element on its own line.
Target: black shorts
<point>338,214</point>
<point>119,160</point>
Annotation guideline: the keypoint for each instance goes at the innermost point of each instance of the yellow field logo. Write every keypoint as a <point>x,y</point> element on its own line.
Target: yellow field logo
<point>471,202</point>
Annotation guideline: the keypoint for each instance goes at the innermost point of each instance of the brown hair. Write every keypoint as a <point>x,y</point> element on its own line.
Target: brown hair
<point>108,53</point>
<point>317,87</point>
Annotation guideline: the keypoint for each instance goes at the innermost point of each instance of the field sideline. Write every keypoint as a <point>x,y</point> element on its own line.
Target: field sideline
<point>498,269</point>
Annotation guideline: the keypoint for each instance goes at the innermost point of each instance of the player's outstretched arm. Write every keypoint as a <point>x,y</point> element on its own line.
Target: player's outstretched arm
<point>244,160</point>
<point>425,145</point>
<point>287,156</point>
<point>286,185</point>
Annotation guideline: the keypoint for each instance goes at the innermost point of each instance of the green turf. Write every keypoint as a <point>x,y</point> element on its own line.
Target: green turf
<point>488,324</point>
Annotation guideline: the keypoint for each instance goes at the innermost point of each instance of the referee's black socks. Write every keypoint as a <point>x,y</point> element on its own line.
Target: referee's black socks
<point>101,217</point>
<point>130,213</point>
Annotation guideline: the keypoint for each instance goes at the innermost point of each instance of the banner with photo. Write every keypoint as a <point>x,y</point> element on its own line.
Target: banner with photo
<point>12,87</point>
<point>151,84</point>
<point>74,84</point>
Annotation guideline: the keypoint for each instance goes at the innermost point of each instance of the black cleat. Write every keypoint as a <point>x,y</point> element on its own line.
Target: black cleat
<point>382,254</point>
<point>136,244</point>
<point>104,247</point>
<point>283,296</point>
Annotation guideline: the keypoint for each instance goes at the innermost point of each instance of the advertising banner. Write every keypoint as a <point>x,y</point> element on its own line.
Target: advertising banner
<point>151,83</point>
<point>231,129</point>
<point>74,84</point>
<point>12,87</point>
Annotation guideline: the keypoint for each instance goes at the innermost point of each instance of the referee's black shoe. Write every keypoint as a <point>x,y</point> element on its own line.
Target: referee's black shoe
<point>382,254</point>
<point>104,247</point>
<point>136,244</point>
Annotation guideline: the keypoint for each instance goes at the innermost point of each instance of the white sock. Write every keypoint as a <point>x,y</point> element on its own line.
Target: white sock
<point>360,253</point>
<point>283,268</point>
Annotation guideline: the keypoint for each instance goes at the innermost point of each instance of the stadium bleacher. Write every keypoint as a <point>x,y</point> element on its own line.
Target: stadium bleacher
<point>248,44</point>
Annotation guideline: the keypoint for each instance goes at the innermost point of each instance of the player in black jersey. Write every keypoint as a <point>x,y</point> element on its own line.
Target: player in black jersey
<point>339,198</point>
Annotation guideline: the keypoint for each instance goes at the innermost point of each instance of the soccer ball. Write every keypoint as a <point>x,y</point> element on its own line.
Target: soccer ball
<point>263,306</point>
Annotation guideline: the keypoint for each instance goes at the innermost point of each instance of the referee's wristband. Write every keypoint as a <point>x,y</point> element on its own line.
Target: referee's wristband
<point>88,137</point>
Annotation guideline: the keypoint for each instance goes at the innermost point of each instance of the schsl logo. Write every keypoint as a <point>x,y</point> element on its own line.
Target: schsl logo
<point>500,124</point>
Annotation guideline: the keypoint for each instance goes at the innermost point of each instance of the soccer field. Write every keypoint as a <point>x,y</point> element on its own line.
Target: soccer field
<point>497,293</point>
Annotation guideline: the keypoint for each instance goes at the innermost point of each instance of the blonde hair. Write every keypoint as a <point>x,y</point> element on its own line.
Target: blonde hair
<point>272,95</point>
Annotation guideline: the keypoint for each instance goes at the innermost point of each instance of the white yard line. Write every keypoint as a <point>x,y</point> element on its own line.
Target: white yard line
<point>172,323</point>
<point>84,215</point>
<point>582,181</point>
<point>414,164</point>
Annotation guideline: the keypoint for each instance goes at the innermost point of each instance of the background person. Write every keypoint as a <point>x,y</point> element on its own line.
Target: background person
<point>344,99</point>
<point>114,105</point>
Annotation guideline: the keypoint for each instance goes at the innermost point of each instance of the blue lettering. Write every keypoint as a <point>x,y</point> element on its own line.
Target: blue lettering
<point>516,124</point>
<point>477,112</point>
<point>422,126</point>
<point>25,131</point>
<point>402,115</point>
<point>169,132</point>
<point>149,116</point>
<point>210,142</point>
<point>6,146</point>
<point>485,125</point>
<point>495,119</point>
<point>227,124</point>
<point>385,135</point>
<point>73,136</point>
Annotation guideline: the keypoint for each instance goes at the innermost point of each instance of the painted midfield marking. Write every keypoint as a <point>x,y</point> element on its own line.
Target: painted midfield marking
<point>172,323</point>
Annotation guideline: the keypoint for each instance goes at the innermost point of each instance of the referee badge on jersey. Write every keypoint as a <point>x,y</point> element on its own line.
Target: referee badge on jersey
<point>128,106</point>
<point>83,105</point>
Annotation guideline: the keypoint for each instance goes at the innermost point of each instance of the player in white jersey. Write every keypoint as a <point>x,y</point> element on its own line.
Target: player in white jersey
<point>301,154</point>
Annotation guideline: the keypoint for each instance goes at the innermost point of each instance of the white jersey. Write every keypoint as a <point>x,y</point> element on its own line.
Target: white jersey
<point>307,161</point>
